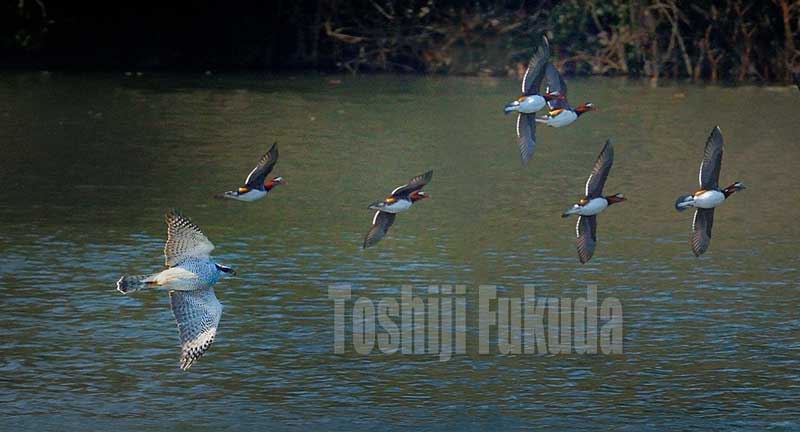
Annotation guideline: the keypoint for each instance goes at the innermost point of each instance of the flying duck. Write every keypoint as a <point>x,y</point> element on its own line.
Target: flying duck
<point>399,201</point>
<point>530,101</point>
<point>189,278</point>
<point>709,196</point>
<point>255,187</point>
<point>561,113</point>
<point>593,203</point>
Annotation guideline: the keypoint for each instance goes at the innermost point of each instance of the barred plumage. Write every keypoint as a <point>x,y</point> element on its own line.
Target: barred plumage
<point>189,279</point>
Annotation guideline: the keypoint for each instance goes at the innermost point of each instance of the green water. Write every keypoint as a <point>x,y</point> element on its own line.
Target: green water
<point>90,163</point>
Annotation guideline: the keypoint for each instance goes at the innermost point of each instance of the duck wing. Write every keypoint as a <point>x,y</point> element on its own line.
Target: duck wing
<point>586,232</point>
<point>526,135</point>
<point>413,185</point>
<point>712,161</point>
<point>532,80</point>
<point>701,230</point>
<point>255,180</point>
<point>600,170</point>
<point>556,84</point>
<point>380,225</point>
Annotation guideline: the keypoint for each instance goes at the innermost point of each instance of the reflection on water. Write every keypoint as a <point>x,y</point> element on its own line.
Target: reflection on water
<point>91,163</point>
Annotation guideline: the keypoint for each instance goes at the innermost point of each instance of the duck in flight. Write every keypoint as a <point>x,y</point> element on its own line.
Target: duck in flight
<point>709,196</point>
<point>189,278</point>
<point>561,113</point>
<point>593,203</point>
<point>531,101</point>
<point>400,200</point>
<point>255,187</point>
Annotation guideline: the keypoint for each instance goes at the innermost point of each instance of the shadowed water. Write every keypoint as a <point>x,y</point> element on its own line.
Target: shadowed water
<point>90,163</point>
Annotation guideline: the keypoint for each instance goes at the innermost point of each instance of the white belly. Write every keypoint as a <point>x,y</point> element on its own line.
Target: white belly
<point>398,206</point>
<point>251,195</point>
<point>562,119</point>
<point>177,278</point>
<point>709,199</point>
<point>531,104</point>
<point>593,207</point>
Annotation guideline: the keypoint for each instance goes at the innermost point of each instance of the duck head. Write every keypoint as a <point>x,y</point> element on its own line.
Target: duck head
<point>588,106</point>
<point>616,198</point>
<point>271,183</point>
<point>728,191</point>
<point>418,195</point>
<point>553,96</point>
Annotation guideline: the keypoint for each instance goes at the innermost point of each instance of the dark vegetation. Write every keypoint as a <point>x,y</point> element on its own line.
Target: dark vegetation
<point>731,40</point>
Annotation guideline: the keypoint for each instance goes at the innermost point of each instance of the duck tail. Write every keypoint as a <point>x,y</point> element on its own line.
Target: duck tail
<point>683,202</point>
<point>511,108</point>
<point>128,284</point>
<point>228,194</point>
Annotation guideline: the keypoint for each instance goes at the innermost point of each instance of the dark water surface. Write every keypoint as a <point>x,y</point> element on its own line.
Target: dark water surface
<point>90,163</point>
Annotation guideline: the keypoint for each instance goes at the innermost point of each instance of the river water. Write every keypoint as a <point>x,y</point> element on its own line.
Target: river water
<point>91,162</point>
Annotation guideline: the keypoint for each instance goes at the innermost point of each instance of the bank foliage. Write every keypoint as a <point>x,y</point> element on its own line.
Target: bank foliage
<point>731,40</point>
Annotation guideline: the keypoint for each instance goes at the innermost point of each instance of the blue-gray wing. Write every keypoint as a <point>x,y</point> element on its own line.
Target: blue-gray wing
<point>701,230</point>
<point>526,136</point>
<point>600,170</point>
<point>586,237</point>
<point>556,84</point>
<point>197,314</point>
<point>532,80</point>
<point>712,161</point>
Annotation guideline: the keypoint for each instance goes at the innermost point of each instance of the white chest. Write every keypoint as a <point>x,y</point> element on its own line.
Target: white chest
<point>252,195</point>
<point>593,207</point>
<point>709,199</point>
<point>398,206</point>
<point>562,119</point>
<point>531,104</point>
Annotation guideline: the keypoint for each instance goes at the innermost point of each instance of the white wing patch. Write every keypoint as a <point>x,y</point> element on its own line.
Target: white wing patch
<point>247,180</point>
<point>700,175</point>
<point>589,180</point>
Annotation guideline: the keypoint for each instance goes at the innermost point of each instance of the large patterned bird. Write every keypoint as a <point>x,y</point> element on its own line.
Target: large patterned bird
<point>531,101</point>
<point>593,203</point>
<point>561,113</point>
<point>255,187</point>
<point>709,196</point>
<point>189,278</point>
<point>399,201</point>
